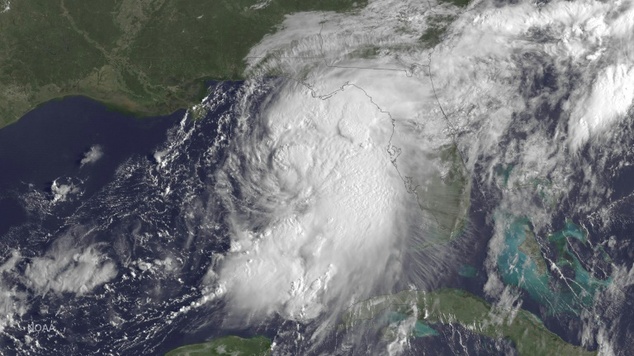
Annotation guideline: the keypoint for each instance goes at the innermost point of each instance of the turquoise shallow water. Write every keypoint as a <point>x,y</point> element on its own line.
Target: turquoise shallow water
<point>548,289</point>
<point>467,271</point>
<point>505,172</point>
<point>421,329</point>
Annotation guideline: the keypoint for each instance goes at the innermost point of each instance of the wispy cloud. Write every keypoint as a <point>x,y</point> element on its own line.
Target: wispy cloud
<point>92,155</point>
<point>13,302</point>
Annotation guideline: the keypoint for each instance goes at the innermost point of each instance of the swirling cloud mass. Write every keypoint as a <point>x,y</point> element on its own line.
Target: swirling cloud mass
<point>334,183</point>
<point>368,153</point>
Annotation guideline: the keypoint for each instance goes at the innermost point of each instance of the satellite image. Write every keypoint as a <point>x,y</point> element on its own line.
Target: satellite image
<point>317,177</point>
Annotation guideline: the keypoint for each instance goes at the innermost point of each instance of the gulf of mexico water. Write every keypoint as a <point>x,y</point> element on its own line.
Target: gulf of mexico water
<point>50,142</point>
<point>136,191</point>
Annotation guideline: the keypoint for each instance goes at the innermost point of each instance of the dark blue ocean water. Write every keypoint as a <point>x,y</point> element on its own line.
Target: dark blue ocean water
<point>136,209</point>
<point>50,142</point>
<point>47,145</point>
<point>147,200</point>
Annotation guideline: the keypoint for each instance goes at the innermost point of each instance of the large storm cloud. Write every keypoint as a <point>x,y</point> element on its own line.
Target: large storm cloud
<point>333,181</point>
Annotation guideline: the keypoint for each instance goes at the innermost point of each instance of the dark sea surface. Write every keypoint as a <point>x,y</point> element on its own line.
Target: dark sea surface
<point>49,143</point>
<point>150,197</point>
<point>146,206</point>
<point>117,205</point>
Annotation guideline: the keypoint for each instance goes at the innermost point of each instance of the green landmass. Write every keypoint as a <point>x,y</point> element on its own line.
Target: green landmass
<point>459,3</point>
<point>452,306</point>
<point>146,57</point>
<point>366,52</point>
<point>531,248</point>
<point>448,197</point>
<point>438,26</point>
<point>230,345</point>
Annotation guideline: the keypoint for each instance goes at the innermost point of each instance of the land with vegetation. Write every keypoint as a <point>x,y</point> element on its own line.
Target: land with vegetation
<point>524,330</point>
<point>145,57</point>
<point>229,345</point>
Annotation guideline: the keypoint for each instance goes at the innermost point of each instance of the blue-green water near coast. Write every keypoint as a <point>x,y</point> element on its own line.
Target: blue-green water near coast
<point>557,291</point>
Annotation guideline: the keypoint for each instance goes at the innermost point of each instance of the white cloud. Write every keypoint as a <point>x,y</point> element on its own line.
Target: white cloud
<point>262,4</point>
<point>92,155</point>
<point>13,303</point>
<point>71,269</point>
<point>327,198</point>
<point>320,195</point>
<point>608,102</point>
<point>11,262</point>
<point>61,192</point>
<point>5,5</point>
